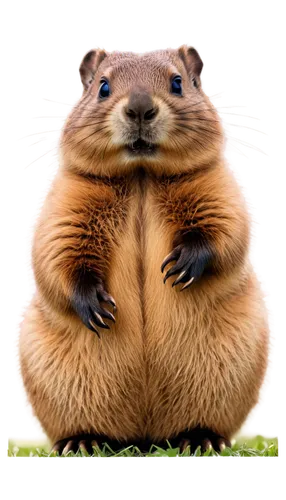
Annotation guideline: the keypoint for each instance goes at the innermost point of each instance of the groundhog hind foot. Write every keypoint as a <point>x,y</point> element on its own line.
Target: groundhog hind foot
<point>82,442</point>
<point>205,438</point>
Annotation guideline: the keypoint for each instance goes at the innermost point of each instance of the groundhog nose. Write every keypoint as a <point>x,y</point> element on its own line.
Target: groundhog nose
<point>140,106</point>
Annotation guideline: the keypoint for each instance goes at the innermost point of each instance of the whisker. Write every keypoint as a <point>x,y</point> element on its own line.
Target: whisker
<point>102,128</point>
<point>188,127</point>
<point>96,140</point>
<point>199,119</point>
<point>191,105</point>
<point>191,112</point>
<point>200,129</point>
<point>97,115</point>
<point>85,125</point>
<point>194,103</point>
<point>104,151</point>
<point>90,135</point>
<point>192,138</point>
<point>178,142</point>
<point>198,103</point>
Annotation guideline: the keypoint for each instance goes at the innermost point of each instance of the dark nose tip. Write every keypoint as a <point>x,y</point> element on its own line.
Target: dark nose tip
<point>140,106</point>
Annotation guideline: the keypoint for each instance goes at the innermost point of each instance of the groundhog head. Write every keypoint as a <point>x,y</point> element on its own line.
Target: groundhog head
<point>146,110</point>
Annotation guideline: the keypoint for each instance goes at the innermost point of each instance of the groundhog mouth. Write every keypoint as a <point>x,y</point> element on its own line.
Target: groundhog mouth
<point>140,147</point>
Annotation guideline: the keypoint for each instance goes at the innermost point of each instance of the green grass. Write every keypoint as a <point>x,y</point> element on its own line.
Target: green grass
<point>243,447</point>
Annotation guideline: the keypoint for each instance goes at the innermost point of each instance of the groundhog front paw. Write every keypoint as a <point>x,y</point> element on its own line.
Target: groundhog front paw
<point>86,303</point>
<point>192,259</point>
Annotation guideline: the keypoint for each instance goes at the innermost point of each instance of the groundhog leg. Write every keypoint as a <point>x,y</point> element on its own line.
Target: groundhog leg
<point>77,383</point>
<point>73,247</point>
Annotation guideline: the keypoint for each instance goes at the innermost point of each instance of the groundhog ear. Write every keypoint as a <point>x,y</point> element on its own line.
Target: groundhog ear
<point>191,59</point>
<point>89,66</point>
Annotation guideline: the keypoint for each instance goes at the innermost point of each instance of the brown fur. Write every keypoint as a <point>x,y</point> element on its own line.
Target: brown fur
<point>173,360</point>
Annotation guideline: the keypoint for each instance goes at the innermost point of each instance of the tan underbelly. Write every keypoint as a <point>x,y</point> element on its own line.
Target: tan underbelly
<point>170,361</point>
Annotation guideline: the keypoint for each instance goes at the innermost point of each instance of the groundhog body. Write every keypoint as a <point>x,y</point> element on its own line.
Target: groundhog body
<point>141,177</point>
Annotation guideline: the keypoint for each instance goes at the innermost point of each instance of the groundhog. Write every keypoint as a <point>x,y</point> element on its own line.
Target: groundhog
<point>148,323</point>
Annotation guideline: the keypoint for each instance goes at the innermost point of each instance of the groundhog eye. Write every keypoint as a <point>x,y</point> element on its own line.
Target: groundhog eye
<point>104,89</point>
<point>177,85</point>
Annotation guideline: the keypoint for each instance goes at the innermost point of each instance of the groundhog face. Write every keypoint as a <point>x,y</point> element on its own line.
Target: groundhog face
<point>142,110</point>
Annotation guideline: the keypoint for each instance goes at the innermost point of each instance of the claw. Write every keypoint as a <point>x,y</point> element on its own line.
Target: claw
<point>186,284</point>
<point>67,447</point>
<point>55,449</point>
<point>81,442</point>
<point>184,444</point>
<point>223,443</point>
<point>109,299</point>
<point>85,447</point>
<point>82,445</point>
<point>112,302</point>
<point>206,445</point>
<point>173,270</point>
<point>169,258</point>
<point>179,278</point>
<point>94,328</point>
<point>165,278</point>
<point>100,320</point>
<point>108,315</point>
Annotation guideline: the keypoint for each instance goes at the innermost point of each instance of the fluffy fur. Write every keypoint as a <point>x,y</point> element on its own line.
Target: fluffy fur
<point>173,360</point>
